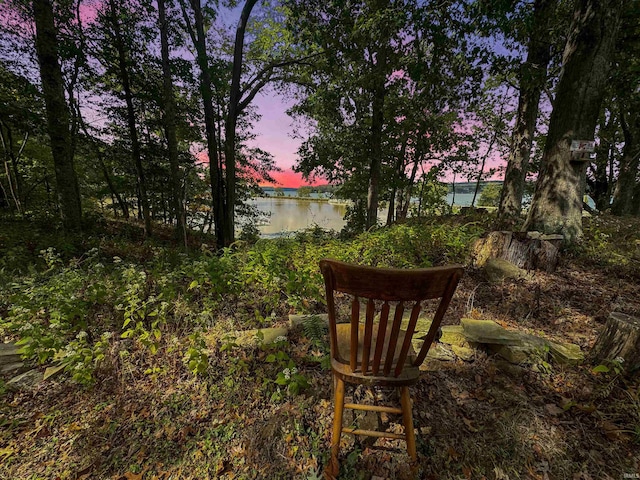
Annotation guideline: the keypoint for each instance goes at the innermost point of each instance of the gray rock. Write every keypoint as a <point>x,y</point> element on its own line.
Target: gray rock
<point>488,331</point>
<point>566,353</point>
<point>438,351</point>
<point>454,335</point>
<point>499,270</point>
<point>464,353</point>
<point>12,368</point>
<point>9,353</point>
<point>265,336</point>
<point>25,381</point>
<point>525,354</point>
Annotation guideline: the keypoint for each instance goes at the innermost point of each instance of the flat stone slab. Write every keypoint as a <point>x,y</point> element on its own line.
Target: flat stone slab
<point>12,368</point>
<point>566,353</point>
<point>499,270</point>
<point>519,354</point>
<point>438,351</point>
<point>295,320</point>
<point>264,336</point>
<point>464,353</point>
<point>25,381</point>
<point>9,353</point>
<point>488,331</point>
<point>454,335</point>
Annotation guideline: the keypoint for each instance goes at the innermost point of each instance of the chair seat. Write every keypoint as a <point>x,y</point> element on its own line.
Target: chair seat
<point>341,367</point>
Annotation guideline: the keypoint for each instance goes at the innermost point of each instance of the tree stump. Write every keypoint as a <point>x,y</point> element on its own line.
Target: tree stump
<point>620,338</point>
<point>528,250</point>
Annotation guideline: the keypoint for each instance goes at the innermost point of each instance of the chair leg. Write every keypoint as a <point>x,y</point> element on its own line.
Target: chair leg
<point>407,418</point>
<point>334,467</point>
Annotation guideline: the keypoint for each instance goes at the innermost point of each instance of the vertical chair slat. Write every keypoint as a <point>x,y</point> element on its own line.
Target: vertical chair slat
<point>393,340</point>
<point>415,311</point>
<point>355,323</point>
<point>382,331</point>
<point>368,333</point>
<point>437,318</point>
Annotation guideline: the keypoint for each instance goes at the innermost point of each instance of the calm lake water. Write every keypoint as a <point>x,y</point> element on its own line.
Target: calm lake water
<point>286,215</point>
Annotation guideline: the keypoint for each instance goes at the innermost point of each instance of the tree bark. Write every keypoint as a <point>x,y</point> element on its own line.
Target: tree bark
<point>524,250</point>
<point>170,123</point>
<point>600,187</point>
<point>620,339</point>
<point>377,123</point>
<point>57,115</point>
<point>198,38</point>
<point>626,183</point>
<point>131,117</point>
<point>230,124</point>
<point>533,74</point>
<point>557,200</point>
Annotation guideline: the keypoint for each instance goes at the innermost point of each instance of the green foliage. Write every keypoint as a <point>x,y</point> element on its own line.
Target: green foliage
<point>80,358</point>
<point>432,199</point>
<point>490,196</point>
<point>250,233</point>
<point>74,309</point>
<point>315,329</point>
<point>304,192</point>
<point>195,358</point>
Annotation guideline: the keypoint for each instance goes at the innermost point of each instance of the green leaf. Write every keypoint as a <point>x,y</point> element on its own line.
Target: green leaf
<point>193,284</point>
<point>270,358</point>
<point>600,369</point>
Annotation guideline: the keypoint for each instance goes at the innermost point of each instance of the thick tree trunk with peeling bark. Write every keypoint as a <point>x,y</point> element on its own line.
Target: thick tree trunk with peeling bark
<point>619,339</point>
<point>557,201</point>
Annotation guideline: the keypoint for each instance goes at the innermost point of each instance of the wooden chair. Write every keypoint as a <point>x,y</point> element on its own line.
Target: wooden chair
<point>380,352</point>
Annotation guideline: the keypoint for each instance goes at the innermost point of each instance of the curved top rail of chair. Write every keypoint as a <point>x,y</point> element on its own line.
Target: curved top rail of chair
<point>391,284</point>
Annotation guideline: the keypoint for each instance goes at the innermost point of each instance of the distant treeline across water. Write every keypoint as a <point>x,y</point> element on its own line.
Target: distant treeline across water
<point>327,190</point>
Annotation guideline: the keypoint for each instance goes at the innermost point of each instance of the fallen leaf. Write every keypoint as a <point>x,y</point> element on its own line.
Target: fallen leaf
<point>133,476</point>
<point>469,425</point>
<point>452,453</point>
<point>466,471</point>
<point>553,409</point>
<point>6,452</point>
<point>613,432</point>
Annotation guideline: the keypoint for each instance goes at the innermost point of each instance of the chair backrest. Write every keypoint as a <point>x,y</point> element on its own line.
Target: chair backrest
<point>386,285</point>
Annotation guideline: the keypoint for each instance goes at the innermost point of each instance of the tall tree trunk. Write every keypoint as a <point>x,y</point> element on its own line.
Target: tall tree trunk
<point>11,171</point>
<point>197,34</point>
<point>397,181</point>
<point>170,122</point>
<point>600,186</point>
<point>533,74</point>
<point>230,125</point>
<point>57,115</point>
<point>409,189</point>
<point>131,117</point>
<point>626,184</point>
<point>557,201</point>
<point>377,123</point>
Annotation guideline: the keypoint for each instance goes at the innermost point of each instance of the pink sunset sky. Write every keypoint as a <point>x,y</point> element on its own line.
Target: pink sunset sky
<point>274,133</point>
